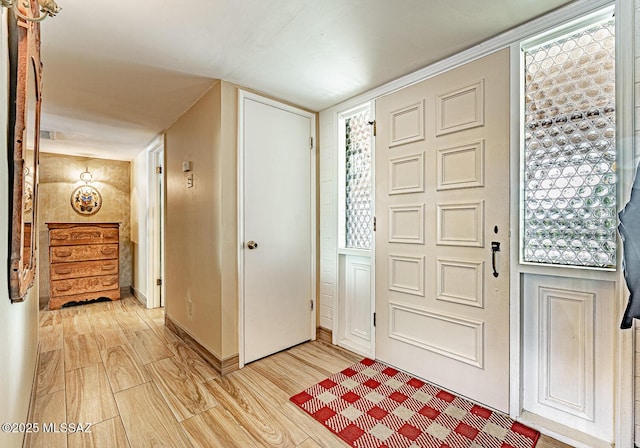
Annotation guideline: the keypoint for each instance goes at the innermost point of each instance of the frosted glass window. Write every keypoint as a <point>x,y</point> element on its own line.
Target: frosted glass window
<point>358,216</point>
<point>570,151</point>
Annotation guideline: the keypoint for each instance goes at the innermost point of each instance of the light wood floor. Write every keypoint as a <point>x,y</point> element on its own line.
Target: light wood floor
<point>115,365</point>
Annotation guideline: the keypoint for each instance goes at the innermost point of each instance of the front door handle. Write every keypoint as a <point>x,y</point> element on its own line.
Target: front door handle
<point>252,245</point>
<point>495,247</point>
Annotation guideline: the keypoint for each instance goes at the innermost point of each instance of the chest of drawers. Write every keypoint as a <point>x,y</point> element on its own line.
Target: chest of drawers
<point>83,262</point>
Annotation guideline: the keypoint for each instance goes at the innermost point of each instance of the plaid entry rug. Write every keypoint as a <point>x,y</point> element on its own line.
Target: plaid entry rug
<point>371,405</point>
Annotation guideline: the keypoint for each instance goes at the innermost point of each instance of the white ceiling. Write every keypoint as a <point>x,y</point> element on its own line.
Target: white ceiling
<point>118,72</point>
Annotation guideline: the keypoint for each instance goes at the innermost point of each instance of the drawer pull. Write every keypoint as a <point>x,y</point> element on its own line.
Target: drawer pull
<point>62,289</point>
<point>61,271</point>
<point>108,267</point>
<point>63,254</point>
<point>108,251</point>
<point>85,235</point>
<point>108,283</point>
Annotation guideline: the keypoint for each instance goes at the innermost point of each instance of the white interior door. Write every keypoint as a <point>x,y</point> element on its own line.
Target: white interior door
<point>276,226</point>
<point>442,195</point>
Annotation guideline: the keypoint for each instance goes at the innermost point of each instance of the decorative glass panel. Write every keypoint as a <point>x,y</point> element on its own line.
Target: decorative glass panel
<point>358,217</point>
<point>570,150</point>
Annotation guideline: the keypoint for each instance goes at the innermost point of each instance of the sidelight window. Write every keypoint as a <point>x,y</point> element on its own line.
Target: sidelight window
<point>357,173</point>
<point>569,154</point>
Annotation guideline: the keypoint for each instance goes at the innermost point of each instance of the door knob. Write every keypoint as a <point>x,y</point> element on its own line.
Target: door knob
<point>252,245</point>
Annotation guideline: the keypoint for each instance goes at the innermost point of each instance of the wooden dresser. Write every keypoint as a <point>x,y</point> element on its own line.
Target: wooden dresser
<point>83,261</point>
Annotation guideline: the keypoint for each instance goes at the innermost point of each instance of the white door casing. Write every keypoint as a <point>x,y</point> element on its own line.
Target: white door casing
<point>277,213</point>
<point>155,225</point>
<point>158,241</point>
<point>442,198</point>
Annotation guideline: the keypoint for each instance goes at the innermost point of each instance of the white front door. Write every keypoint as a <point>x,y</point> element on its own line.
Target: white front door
<point>442,203</point>
<point>276,226</point>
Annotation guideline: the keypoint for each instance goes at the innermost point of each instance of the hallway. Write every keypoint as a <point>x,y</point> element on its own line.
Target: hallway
<point>115,365</point>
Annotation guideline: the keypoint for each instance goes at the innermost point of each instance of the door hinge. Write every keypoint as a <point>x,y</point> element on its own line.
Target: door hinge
<point>158,282</point>
<point>373,123</point>
<point>310,142</point>
<point>374,223</point>
<point>311,304</point>
<point>374,319</point>
<point>158,170</point>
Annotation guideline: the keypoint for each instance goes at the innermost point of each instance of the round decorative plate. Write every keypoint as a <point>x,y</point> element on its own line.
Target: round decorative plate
<point>86,200</point>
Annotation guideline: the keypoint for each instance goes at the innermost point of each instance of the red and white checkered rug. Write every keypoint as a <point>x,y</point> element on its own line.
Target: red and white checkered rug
<point>371,405</point>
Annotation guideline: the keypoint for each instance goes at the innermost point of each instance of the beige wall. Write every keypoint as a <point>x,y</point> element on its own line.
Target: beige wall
<point>18,321</point>
<point>201,223</point>
<point>228,172</point>
<point>59,175</point>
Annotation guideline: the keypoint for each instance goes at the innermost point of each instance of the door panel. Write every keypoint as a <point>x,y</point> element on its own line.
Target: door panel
<point>442,178</point>
<point>569,352</point>
<point>355,326</point>
<point>277,217</point>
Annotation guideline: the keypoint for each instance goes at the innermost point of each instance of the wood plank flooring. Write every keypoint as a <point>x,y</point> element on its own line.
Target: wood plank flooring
<point>115,365</point>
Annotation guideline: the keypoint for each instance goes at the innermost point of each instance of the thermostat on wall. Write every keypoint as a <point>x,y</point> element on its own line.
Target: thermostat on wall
<point>186,166</point>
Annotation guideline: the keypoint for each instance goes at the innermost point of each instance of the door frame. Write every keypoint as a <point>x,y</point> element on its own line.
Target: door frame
<point>242,95</point>
<point>155,226</point>
<point>623,387</point>
<point>342,253</point>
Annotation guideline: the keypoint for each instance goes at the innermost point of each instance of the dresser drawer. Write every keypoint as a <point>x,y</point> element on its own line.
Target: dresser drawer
<point>79,253</point>
<point>76,286</point>
<point>83,235</point>
<point>83,269</point>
